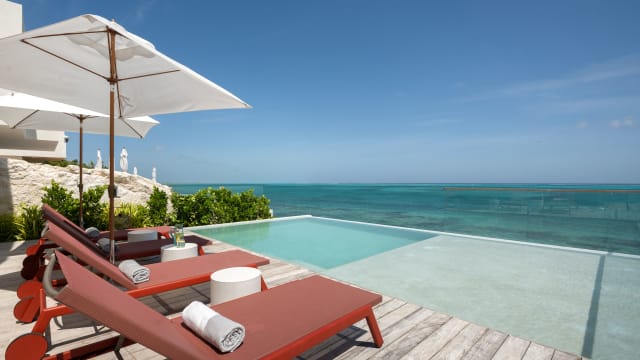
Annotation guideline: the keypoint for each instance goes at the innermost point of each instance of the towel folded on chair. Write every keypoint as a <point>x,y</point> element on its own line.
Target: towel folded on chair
<point>136,272</point>
<point>223,333</point>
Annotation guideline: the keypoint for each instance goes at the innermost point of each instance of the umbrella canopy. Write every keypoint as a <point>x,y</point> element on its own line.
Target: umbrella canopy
<point>87,59</point>
<point>22,111</point>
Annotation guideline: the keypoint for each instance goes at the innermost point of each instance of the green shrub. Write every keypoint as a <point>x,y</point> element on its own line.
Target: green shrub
<point>157,207</point>
<point>29,223</point>
<point>62,200</point>
<point>8,230</point>
<point>137,214</point>
<point>209,206</point>
<point>95,213</point>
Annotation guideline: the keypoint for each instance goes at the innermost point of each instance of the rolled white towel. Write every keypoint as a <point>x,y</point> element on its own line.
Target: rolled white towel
<point>223,333</point>
<point>136,272</point>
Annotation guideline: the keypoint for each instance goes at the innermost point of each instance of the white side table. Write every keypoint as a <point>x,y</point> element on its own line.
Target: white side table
<point>172,252</point>
<point>232,283</point>
<point>142,235</point>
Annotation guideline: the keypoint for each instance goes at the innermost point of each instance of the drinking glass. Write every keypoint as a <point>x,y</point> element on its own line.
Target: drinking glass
<point>179,235</point>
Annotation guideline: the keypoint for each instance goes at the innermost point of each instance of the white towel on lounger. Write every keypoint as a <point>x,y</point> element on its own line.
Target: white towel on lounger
<point>136,272</point>
<point>223,333</point>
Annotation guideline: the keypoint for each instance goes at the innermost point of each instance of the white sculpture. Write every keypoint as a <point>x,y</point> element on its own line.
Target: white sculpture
<point>99,161</point>
<point>153,174</point>
<point>135,170</point>
<point>124,163</point>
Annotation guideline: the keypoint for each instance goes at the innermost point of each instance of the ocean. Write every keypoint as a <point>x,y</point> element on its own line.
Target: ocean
<point>598,217</point>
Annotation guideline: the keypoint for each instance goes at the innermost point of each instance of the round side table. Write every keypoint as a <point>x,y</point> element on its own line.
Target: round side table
<point>232,283</point>
<point>172,252</point>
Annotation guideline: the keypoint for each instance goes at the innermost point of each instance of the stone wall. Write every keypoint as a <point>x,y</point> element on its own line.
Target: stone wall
<point>21,182</point>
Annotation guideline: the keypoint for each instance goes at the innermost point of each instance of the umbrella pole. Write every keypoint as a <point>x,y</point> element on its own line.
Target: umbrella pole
<point>112,192</point>
<point>80,186</point>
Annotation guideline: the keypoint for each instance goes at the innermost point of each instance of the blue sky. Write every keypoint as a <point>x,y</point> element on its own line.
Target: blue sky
<point>390,91</point>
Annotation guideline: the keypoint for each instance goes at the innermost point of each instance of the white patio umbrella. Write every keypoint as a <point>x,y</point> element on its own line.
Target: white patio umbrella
<point>81,60</point>
<point>22,111</point>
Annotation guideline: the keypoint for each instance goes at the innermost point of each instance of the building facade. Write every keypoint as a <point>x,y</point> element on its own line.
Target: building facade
<point>18,143</point>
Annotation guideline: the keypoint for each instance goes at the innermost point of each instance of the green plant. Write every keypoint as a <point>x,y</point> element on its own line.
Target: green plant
<point>62,200</point>
<point>157,207</point>
<point>93,211</point>
<point>29,223</point>
<point>209,206</point>
<point>137,214</point>
<point>8,230</point>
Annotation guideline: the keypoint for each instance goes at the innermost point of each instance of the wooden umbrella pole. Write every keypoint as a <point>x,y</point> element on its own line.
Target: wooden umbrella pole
<point>112,193</point>
<point>80,185</point>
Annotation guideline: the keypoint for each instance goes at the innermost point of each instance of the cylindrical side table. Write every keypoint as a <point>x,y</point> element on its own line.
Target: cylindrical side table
<point>232,283</point>
<point>172,252</point>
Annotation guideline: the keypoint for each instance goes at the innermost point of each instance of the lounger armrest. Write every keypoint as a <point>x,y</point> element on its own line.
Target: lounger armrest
<point>46,278</point>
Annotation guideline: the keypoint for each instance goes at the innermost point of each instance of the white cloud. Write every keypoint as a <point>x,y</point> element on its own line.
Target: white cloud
<point>626,122</point>
<point>623,67</point>
<point>582,125</point>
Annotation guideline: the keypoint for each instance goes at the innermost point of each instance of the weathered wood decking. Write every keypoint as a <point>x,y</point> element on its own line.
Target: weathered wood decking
<point>409,331</point>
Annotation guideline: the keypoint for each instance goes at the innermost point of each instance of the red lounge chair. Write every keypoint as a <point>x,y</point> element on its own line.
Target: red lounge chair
<point>164,276</point>
<point>280,323</point>
<point>33,265</point>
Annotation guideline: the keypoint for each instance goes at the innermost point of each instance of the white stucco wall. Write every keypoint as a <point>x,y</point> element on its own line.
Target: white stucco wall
<point>10,18</point>
<point>21,143</point>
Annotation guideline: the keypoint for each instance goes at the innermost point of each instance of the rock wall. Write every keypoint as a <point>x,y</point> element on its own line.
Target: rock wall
<point>21,182</point>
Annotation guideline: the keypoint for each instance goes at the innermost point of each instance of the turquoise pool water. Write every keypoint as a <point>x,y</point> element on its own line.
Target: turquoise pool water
<point>580,301</point>
<point>318,243</point>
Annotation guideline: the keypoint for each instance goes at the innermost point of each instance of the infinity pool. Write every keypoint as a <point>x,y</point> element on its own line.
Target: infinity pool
<point>581,301</point>
<point>318,243</point>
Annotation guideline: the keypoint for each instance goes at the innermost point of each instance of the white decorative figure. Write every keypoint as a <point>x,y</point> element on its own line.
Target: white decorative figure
<point>124,163</point>
<point>135,170</point>
<point>99,161</point>
<point>153,174</point>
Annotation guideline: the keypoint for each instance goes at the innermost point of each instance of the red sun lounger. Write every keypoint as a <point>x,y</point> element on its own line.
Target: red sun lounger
<point>164,276</point>
<point>33,265</point>
<point>280,323</point>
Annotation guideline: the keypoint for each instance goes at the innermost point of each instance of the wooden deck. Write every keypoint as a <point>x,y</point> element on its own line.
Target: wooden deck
<point>409,331</point>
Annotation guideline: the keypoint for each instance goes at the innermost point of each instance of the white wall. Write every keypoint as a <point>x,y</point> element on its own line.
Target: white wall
<point>10,18</point>
<point>24,143</point>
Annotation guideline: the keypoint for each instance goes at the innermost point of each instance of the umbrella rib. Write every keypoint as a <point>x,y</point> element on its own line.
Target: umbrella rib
<point>23,119</point>
<point>63,59</point>
<point>151,74</point>
<point>67,34</point>
<point>131,127</point>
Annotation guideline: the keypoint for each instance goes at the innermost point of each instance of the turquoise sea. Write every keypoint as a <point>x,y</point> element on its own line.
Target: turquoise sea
<point>600,217</point>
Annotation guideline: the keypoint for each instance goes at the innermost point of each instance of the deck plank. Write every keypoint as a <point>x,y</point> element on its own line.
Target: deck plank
<point>462,343</point>
<point>414,336</point>
<point>513,348</point>
<point>538,352</point>
<point>561,355</point>
<point>434,343</point>
<point>486,346</point>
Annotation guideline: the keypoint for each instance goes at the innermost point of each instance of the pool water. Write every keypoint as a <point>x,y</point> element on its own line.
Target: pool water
<point>318,243</point>
<point>580,301</point>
